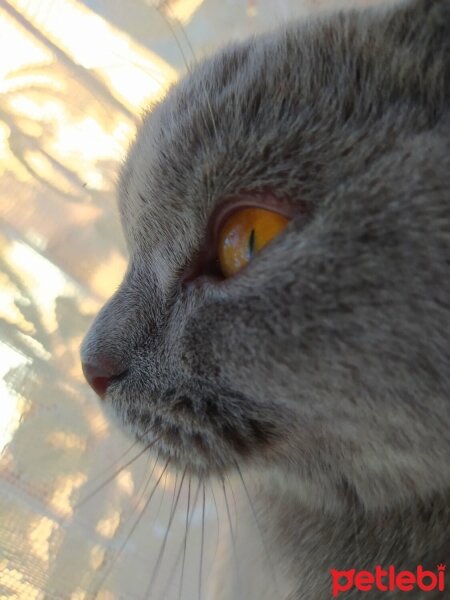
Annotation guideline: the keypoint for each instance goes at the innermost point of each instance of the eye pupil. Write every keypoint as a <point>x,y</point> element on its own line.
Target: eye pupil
<point>244,234</point>
<point>251,244</point>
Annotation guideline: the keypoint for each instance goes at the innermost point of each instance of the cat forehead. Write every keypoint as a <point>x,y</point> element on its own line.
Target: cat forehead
<point>220,130</point>
<point>278,111</point>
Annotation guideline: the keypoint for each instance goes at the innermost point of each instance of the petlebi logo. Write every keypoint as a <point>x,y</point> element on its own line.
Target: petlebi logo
<point>387,580</point>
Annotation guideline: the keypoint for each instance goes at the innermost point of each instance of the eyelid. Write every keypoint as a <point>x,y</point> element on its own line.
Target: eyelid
<point>267,201</point>
<point>206,260</point>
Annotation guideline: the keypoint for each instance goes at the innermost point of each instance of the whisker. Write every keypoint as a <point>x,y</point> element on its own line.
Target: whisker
<point>183,31</point>
<point>234,502</point>
<point>233,539</point>
<point>172,29</point>
<point>210,109</point>
<point>182,551</point>
<point>200,573</point>
<point>174,492</point>
<point>188,524</point>
<point>123,455</point>
<point>257,523</point>
<point>185,538</point>
<point>143,486</point>
<point>52,449</point>
<point>114,475</point>
<point>169,24</point>
<point>133,528</point>
<point>166,537</point>
<point>218,522</point>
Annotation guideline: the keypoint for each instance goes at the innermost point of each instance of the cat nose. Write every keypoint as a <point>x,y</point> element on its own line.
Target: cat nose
<point>100,372</point>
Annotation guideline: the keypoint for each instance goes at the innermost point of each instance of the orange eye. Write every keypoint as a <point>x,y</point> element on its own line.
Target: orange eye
<point>244,233</point>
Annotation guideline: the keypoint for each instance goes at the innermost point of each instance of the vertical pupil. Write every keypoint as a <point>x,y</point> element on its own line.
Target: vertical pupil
<point>251,244</point>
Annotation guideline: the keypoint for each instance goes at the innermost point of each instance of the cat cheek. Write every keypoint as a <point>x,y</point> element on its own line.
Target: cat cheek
<point>197,356</point>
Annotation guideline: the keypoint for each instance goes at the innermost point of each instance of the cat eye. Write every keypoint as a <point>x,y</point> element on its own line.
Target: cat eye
<point>237,230</point>
<point>244,234</point>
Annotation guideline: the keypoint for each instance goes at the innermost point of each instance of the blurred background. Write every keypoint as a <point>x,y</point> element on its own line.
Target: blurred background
<point>74,76</point>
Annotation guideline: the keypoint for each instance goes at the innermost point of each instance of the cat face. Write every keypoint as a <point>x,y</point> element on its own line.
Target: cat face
<point>324,361</point>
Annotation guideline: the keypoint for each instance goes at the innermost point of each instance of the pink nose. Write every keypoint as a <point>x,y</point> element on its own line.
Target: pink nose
<point>99,374</point>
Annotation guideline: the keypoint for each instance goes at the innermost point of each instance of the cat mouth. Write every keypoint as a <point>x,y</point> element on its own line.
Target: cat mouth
<point>207,433</point>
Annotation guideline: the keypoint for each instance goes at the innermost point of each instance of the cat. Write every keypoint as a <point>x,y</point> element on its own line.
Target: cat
<point>321,362</point>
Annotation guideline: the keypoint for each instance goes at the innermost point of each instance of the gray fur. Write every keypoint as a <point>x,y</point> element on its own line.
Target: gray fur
<point>324,366</point>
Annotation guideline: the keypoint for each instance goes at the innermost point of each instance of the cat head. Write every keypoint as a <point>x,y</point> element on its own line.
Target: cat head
<point>325,360</point>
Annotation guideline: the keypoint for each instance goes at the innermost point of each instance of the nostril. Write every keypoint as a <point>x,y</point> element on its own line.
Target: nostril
<point>100,385</point>
<point>99,375</point>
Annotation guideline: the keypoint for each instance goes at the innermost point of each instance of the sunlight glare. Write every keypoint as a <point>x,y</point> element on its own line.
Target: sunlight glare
<point>183,10</point>
<point>44,280</point>
<point>40,532</point>
<point>12,404</point>
<point>135,73</point>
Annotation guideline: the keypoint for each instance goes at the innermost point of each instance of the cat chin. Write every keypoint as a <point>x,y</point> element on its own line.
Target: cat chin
<point>184,446</point>
<point>308,477</point>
